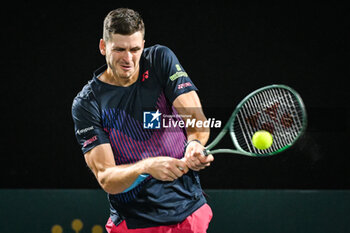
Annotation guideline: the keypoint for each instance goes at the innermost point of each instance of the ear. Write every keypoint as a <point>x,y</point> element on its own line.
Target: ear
<point>102,47</point>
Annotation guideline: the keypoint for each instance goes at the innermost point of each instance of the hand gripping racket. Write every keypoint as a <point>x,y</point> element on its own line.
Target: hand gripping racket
<point>277,109</point>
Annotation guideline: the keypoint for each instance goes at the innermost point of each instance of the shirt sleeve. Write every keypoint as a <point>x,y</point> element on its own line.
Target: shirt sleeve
<point>173,76</point>
<point>87,124</point>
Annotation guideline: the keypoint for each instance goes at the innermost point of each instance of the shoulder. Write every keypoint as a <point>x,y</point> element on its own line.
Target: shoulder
<point>157,53</point>
<point>84,99</point>
<point>156,50</point>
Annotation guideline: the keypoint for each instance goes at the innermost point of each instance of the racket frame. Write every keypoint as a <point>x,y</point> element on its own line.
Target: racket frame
<point>230,124</point>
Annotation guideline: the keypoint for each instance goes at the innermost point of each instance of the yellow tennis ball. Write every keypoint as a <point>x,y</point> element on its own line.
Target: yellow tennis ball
<point>262,139</point>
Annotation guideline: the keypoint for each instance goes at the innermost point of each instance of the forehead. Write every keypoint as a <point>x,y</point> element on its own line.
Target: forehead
<point>126,41</point>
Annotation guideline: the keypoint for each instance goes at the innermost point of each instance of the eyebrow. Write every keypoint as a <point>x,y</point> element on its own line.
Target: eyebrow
<point>123,48</point>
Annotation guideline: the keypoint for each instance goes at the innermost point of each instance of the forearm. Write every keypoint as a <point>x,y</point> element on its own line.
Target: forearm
<point>193,132</point>
<point>189,107</point>
<point>118,178</point>
<point>201,134</point>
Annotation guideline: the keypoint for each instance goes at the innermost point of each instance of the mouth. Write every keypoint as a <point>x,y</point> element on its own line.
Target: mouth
<point>126,67</point>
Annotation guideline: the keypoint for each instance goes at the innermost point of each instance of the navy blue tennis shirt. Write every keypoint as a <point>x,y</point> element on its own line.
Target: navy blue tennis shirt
<point>104,113</point>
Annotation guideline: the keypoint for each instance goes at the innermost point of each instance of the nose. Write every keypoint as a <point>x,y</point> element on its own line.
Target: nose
<point>127,56</point>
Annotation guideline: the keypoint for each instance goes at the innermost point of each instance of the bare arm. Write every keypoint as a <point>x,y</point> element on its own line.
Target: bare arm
<point>188,104</point>
<point>113,179</point>
<point>116,178</point>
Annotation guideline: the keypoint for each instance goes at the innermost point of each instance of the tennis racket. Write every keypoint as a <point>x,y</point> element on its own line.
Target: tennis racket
<point>277,109</point>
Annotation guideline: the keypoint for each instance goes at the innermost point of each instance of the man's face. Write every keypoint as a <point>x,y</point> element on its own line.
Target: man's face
<point>123,54</point>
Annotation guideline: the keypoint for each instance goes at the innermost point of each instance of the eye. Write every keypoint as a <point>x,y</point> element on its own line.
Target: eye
<point>119,49</point>
<point>134,50</point>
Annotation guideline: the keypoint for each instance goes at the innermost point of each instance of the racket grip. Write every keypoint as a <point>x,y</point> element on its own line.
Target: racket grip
<point>138,180</point>
<point>205,152</point>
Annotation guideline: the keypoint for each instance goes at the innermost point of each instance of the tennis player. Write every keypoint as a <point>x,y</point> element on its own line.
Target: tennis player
<point>117,118</point>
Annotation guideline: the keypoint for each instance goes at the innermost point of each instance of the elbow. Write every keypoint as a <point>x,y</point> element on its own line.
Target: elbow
<point>108,185</point>
<point>105,184</point>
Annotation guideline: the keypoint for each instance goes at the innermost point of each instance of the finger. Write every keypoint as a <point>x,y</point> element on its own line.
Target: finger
<point>202,162</point>
<point>210,158</point>
<point>200,156</point>
<point>171,176</point>
<point>177,171</point>
<point>197,161</point>
<point>201,167</point>
<point>206,159</point>
<point>183,169</point>
<point>182,165</point>
<point>197,164</point>
<point>206,165</point>
<point>190,164</point>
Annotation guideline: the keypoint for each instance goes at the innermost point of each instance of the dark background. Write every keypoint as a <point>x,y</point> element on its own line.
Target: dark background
<point>229,49</point>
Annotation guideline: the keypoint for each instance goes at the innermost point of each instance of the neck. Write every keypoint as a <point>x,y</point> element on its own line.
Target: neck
<point>113,78</point>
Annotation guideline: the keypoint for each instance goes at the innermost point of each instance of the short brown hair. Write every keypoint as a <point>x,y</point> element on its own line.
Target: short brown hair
<point>122,21</point>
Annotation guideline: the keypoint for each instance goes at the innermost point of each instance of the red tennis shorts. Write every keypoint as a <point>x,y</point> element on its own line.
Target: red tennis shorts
<point>197,222</point>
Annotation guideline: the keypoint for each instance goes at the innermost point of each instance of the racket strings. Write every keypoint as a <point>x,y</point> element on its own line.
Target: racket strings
<point>291,120</point>
<point>276,110</point>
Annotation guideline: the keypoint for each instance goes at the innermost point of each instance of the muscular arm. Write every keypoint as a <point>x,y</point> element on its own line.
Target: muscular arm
<point>189,105</point>
<point>116,178</point>
<point>113,179</point>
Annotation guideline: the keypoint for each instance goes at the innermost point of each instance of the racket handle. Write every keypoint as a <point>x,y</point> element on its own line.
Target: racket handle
<point>139,179</point>
<point>205,152</point>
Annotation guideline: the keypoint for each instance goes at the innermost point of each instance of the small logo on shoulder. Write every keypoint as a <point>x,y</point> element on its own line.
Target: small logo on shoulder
<point>178,67</point>
<point>151,120</point>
